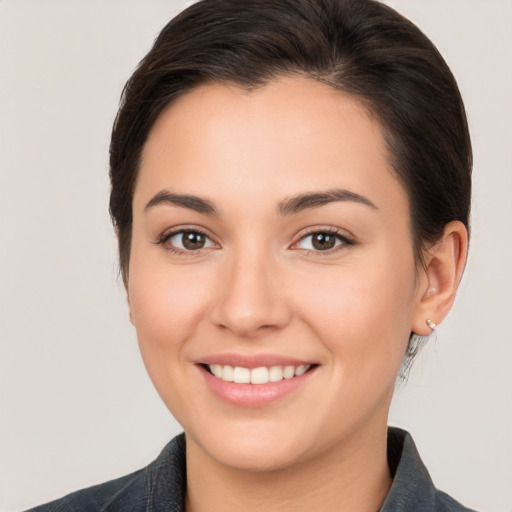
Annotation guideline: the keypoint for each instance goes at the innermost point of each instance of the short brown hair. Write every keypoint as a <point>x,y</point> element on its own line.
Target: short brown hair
<point>362,47</point>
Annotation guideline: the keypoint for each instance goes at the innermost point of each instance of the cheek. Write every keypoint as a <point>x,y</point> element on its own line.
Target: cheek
<point>166,307</point>
<point>362,312</point>
<point>166,303</point>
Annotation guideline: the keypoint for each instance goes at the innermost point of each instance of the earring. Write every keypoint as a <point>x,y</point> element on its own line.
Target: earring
<point>431,324</point>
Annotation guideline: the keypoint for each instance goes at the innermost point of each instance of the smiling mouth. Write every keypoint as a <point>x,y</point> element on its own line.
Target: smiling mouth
<point>260,375</point>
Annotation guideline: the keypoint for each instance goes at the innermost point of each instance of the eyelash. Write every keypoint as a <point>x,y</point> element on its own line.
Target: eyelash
<point>346,240</point>
<point>166,236</point>
<point>342,237</point>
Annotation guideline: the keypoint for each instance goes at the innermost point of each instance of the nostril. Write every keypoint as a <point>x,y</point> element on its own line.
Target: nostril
<point>249,322</point>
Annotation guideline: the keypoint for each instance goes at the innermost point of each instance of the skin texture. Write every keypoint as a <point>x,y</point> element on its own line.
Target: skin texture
<point>259,287</point>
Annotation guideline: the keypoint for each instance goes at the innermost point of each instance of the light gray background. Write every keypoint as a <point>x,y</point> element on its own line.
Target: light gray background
<point>76,405</point>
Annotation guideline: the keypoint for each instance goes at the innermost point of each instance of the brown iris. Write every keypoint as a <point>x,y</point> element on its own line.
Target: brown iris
<point>323,241</point>
<point>192,240</point>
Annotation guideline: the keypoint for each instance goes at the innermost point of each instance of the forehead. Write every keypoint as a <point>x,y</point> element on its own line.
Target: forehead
<point>279,139</point>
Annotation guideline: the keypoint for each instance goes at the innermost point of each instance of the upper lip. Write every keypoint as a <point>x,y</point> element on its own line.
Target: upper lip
<point>252,360</point>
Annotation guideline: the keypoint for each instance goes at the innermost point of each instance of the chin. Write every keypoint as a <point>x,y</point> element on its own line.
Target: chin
<point>252,449</point>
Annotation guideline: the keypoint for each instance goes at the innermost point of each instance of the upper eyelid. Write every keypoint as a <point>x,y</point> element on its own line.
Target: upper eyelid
<point>346,238</point>
<point>342,233</point>
<point>163,240</point>
<point>168,233</point>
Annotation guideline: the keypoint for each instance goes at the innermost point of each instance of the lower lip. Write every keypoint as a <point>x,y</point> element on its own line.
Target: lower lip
<point>253,395</point>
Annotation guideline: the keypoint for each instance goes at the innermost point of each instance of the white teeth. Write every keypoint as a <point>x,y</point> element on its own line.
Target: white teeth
<point>228,373</point>
<point>288,372</point>
<point>241,375</point>
<point>261,375</point>
<point>217,370</point>
<point>301,370</point>
<point>275,374</point>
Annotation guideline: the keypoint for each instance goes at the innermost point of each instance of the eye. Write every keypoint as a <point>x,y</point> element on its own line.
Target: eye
<point>322,241</point>
<point>187,240</point>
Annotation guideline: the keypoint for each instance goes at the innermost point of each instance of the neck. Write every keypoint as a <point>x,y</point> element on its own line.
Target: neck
<point>353,477</point>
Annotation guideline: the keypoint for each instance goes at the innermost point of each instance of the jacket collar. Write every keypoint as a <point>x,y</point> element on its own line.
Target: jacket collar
<point>412,487</point>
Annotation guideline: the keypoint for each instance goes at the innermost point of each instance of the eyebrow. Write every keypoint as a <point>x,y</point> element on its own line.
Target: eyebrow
<point>290,206</point>
<point>184,200</point>
<point>316,199</point>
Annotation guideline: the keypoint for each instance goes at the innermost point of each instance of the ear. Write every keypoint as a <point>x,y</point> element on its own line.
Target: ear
<point>440,277</point>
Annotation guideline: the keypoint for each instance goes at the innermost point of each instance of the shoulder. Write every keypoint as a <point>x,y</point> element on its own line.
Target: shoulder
<point>445,503</point>
<point>125,493</point>
<point>158,486</point>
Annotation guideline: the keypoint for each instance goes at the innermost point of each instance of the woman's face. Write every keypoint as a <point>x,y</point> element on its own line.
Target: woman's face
<point>271,236</point>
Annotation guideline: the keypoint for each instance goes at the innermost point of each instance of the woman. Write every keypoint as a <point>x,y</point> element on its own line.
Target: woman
<point>291,192</point>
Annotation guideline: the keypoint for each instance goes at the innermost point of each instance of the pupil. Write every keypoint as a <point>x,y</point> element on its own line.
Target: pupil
<point>323,242</point>
<point>193,240</point>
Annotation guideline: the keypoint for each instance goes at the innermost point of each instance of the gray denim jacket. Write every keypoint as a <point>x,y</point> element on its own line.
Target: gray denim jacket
<point>160,487</point>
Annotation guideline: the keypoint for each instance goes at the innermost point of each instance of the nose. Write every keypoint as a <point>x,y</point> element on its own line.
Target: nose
<point>251,298</point>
